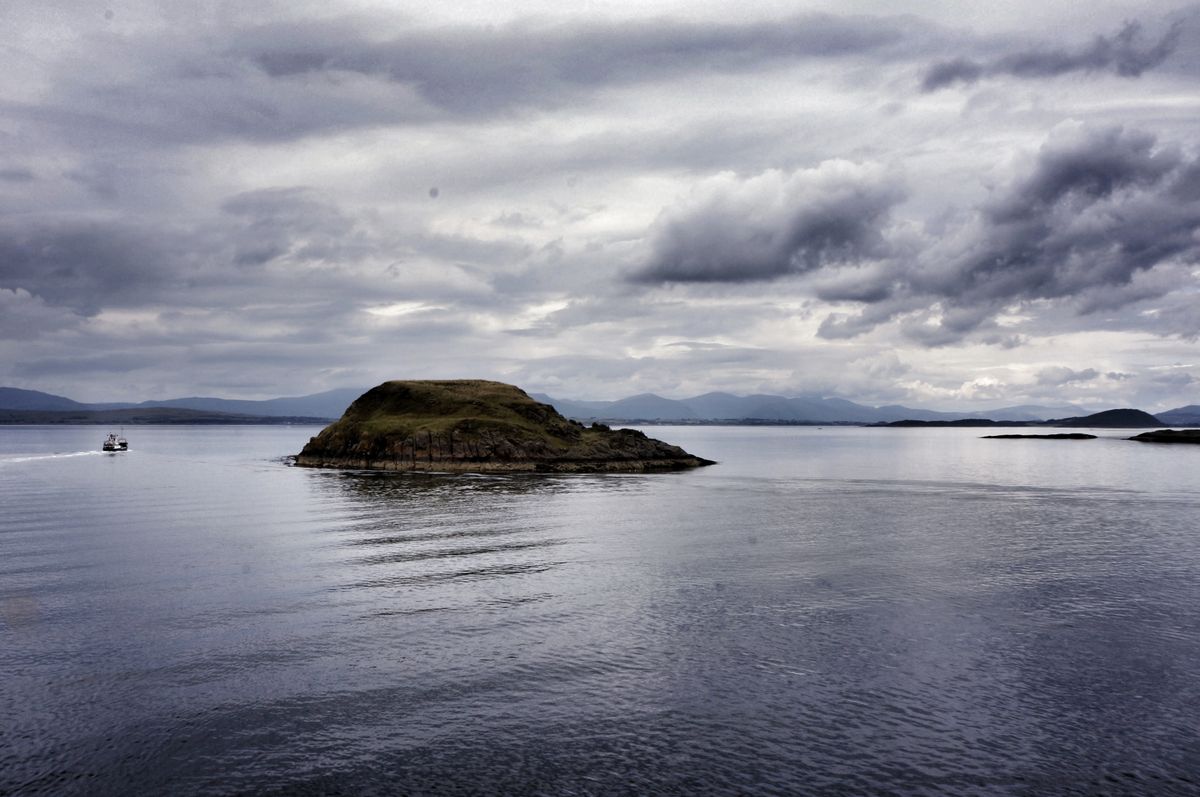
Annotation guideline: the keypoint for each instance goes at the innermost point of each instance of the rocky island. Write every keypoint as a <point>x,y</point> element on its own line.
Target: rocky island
<point>471,425</point>
<point>1056,436</point>
<point>1169,436</point>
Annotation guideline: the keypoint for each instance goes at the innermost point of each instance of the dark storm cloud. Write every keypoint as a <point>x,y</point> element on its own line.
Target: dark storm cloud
<point>280,245</point>
<point>83,265</point>
<point>1083,169</point>
<point>88,265</point>
<point>1125,53</point>
<point>1095,223</point>
<point>24,316</point>
<point>1098,210</point>
<point>773,225</point>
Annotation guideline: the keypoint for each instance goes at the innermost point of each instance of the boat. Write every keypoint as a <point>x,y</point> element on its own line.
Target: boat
<point>115,443</point>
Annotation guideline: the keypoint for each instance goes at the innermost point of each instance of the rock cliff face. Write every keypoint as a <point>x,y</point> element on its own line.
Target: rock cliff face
<point>478,426</point>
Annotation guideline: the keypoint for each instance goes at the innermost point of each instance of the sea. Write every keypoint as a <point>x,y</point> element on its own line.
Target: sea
<point>842,611</point>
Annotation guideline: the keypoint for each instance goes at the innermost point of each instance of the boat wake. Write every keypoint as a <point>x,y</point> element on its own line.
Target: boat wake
<point>4,460</point>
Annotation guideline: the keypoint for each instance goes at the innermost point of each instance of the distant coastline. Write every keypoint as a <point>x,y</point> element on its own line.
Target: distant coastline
<point>147,417</point>
<point>22,406</point>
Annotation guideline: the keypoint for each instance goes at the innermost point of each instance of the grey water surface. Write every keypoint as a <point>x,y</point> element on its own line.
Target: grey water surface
<point>826,611</point>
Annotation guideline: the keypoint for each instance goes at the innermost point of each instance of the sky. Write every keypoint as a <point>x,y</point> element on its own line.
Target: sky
<point>936,203</point>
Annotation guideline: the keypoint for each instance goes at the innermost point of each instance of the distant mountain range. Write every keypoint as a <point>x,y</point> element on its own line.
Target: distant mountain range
<point>1181,416</point>
<point>319,406</point>
<point>779,409</point>
<point>645,407</point>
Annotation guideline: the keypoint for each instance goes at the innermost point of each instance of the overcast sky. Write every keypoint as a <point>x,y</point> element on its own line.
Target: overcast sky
<point>941,205</point>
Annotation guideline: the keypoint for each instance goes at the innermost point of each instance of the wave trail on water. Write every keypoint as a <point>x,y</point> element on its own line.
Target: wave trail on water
<point>7,460</point>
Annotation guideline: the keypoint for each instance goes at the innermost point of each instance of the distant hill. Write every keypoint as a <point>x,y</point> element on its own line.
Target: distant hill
<point>651,408</point>
<point>721,405</point>
<point>328,405</point>
<point>728,407</point>
<point>967,422</point>
<point>1181,416</point>
<point>14,398</point>
<point>1111,419</point>
<point>1033,412</point>
<point>572,409</point>
<point>141,415</point>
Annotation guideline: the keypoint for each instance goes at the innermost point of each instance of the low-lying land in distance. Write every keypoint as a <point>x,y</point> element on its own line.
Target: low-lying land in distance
<point>34,407</point>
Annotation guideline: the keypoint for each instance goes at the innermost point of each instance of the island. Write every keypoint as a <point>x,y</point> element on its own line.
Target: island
<point>479,426</point>
<point>1169,436</point>
<point>1056,436</point>
<point>1110,419</point>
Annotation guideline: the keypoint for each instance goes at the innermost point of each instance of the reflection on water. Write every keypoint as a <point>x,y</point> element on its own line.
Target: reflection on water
<point>424,487</point>
<point>428,529</point>
<point>832,611</point>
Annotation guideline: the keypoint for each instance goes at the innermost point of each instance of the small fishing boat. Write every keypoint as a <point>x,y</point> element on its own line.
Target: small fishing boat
<point>115,443</point>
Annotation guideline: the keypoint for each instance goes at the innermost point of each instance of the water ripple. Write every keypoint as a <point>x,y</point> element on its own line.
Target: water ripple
<point>826,611</point>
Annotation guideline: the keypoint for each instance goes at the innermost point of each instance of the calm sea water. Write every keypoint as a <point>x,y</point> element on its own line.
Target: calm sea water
<point>830,611</point>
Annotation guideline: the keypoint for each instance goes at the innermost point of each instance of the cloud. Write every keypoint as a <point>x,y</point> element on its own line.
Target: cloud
<point>1097,207</point>
<point>16,175</point>
<point>199,196</point>
<point>1061,375</point>
<point>772,225</point>
<point>82,264</point>
<point>1098,210</point>
<point>24,316</point>
<point>221,77</point>
<point>277,222</point>
<point>1175,379</point>
<point>285,246</point>
<point>1101,219</point>
<point>474,71</point>
<point>955,70</point>
<point>1084,164</point>
<point>1124,53</point>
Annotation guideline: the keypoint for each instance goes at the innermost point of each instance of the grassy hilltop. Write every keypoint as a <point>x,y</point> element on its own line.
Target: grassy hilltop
<point>477,425</point>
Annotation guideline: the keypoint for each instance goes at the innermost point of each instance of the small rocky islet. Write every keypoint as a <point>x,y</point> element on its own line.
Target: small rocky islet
<point>479,426</point>
<point>1156,436</point>
<point>1169,436</point>
<point>1056,436</point>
